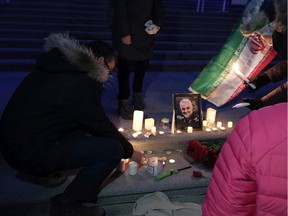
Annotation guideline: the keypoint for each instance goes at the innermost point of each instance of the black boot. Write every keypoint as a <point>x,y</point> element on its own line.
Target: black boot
<point>63,206</point>
<point>138,101</point>
<point>125,109</point>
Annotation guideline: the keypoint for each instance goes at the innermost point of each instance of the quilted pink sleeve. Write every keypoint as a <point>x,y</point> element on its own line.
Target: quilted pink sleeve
<point>229,181</point>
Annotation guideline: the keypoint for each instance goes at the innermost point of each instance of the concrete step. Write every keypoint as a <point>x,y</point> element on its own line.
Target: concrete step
<point>33,53</point>
<point>26,65</point>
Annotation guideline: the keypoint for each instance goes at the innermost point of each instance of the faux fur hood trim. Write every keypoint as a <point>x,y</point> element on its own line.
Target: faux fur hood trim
<point>79,55</point>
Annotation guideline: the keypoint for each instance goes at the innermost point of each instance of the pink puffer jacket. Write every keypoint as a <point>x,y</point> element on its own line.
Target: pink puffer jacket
<point>250,175</point>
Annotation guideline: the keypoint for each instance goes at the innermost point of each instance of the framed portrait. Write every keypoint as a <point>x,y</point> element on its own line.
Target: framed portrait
<point>187,111</point>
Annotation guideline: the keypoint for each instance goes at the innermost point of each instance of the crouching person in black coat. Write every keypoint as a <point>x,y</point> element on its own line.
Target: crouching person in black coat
<point>55,122</point>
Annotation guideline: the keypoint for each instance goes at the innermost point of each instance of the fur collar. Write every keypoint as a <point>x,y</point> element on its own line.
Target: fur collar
<point>79,55</point>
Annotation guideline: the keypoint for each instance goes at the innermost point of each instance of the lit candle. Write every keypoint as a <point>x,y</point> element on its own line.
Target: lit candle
<point>137,120</point>
<point>211,116</point>
<point>135,135</point>
<point>207,129</point>
<point>173,122</point>
<point>189,129</point>
<point>178,131</point>
<point>149,123</point>
<point>121,129</point>
<point>230,124</point>
<point>161,132</point>
<point>222,128</point>
<point>214,129</point>
<point>219,124</point>
<point>204,123</point>
<point>153,130</point>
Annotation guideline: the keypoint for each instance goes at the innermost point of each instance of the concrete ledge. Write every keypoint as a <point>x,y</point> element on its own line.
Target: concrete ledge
<point>16,192</point>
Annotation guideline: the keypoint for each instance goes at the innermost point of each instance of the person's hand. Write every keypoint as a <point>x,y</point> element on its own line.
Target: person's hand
<point>255,103</point>
<point>152,29</point>
<point>259,81</point>
<point>137,157</point>
<point>127,40</point>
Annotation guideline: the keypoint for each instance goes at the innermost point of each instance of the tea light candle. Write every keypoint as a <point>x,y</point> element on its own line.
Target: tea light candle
<point>161,132</point>
<point>214,129</point>
<point>189,129</point>
<point>135,135</point>
<point>121,129</point>
<point>137,120</point>
<point>207,129</point>
<point>204,123</point>
<point>219,124</point>
<point>172,161</point>
<point>230,124</point>
<point>149,123</point>
<point>222,128</point>
<point>178,131</point>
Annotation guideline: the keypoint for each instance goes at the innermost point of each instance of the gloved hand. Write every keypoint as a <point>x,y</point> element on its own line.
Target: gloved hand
<point>255,103</point>
<point>259,81</point>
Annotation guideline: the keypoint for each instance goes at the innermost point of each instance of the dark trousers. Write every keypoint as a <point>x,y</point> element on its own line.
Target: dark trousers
<point>96,156</point>
<point>125,68</point>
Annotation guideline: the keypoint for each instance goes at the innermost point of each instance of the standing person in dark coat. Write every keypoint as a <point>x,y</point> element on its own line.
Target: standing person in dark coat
<point>135,22</point>
<point>55,122</point>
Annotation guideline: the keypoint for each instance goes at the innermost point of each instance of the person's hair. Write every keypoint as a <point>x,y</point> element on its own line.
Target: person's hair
<point>280,21</point>
<point>102,48</point>
<point>185,100</point>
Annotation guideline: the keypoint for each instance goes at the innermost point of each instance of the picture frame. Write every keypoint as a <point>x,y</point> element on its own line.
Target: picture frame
<point>187,109</point>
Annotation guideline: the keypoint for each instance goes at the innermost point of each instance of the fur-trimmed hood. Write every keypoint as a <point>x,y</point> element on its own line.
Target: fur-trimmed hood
<point>78,55</point>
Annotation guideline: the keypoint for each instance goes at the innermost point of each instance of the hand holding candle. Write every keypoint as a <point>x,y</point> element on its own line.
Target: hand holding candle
<point>235,67</point>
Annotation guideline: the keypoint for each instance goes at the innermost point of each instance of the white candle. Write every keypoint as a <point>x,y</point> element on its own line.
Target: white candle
<point>121,129</point>
<point>153,130</point>
<point>204,123</point>
<point>173,122</point>
<point>214,129</point>
<point>133,166</point>
<point>230,124</point>
<point>135,135</point>
<point>161,132</point>
<point>219,124</point>
<point>189,129</point>
<point>149,123</point>
<point>137,120</point>
<point>211,116</point>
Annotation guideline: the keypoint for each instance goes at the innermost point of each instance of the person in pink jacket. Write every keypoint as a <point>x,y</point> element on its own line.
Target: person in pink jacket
<point>250,174</point>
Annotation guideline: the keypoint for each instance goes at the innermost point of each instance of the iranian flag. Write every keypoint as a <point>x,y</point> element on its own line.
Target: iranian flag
<point>219,82</point>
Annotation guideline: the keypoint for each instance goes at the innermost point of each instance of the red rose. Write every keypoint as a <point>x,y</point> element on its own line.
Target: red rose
<point>197,174</point>
<point>197,151</point>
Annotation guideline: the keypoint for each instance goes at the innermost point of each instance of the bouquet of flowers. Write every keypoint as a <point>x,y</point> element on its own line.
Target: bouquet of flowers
<point>205,152</point>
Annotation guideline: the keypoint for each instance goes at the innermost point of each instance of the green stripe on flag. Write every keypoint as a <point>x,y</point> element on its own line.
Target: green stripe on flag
<point>208,79</point>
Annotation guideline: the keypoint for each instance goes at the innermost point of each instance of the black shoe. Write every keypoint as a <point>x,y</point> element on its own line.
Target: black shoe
<point>125,109</point>
<point>63,206</point>
<point>51,181</point>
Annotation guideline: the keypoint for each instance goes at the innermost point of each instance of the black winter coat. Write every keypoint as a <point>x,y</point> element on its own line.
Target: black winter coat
<point>129,17</point>
<point>60,99</point>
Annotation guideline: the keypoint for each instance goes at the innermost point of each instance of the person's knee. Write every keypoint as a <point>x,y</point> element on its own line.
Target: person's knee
<point>116,150</point>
